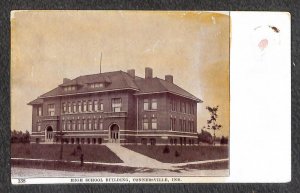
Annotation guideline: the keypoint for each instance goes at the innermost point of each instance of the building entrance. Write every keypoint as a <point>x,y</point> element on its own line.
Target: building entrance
<point>114,133</point>
<point>49,134</point>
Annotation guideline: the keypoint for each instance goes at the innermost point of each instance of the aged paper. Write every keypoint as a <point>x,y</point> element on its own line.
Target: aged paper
<point>134,96</point>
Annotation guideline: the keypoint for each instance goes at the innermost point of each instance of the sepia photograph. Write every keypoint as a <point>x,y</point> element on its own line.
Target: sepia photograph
<point>120,94</point>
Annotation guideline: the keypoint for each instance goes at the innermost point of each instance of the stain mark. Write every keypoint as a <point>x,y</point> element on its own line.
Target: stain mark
<point>263,44</point>
<point>275,29</point>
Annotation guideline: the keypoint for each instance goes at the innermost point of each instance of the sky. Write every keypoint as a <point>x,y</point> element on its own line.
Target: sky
<point>47,46</point>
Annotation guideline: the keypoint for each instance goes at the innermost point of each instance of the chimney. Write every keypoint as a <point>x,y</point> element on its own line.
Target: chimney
<point>65,80</point>
<point>131,72</point>
<point>169,78</point>
<point>148,72</point>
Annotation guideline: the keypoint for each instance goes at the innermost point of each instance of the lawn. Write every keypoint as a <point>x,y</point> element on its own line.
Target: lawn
<point>92,153</point>
<point>208,166</point>
<point>70,166</point>
<point>185,153</point>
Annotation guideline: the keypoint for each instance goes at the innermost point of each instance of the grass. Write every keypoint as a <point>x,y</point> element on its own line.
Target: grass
<point>185,153</point>
<point>69,166</point>
<point>209,166</point>
<point>92,153</point>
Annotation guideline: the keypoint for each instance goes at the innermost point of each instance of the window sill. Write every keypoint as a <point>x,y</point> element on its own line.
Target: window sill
<point>151,110</point>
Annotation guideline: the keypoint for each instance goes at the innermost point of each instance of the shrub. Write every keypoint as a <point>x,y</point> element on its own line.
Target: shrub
<point>177,154</point>
<point>224,140</point>
<point>166,149</point>
<point>205,137</point>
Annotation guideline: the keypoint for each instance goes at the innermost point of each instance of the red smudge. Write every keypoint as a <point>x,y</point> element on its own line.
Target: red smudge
<point>263,44</point>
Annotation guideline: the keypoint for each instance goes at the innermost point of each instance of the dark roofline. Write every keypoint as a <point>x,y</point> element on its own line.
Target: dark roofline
<point>194,99</point>
<point>90,92</point>
<point>36,101</point>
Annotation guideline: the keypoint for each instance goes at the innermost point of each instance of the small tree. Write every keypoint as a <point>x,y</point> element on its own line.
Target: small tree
<point>59,137</point>
<point>212,122</point>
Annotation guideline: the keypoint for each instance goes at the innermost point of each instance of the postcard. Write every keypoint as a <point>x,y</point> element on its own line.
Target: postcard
<point>143,96</point>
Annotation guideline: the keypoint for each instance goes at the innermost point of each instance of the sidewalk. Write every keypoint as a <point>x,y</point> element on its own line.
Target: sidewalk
<point>134,159</point>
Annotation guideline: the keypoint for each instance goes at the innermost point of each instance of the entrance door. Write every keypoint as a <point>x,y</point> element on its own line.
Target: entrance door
<point>49,134</point>
<point>114,133</point>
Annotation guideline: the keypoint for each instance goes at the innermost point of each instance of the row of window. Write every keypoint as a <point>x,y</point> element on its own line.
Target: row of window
<point>116,105</point>
<point>85,124</point>
<point>82,106</point>
<point>150,104</point>
<point>184,125</point>
<point>51,110</point>
<point>97,85</point>
<point>77,125</point>
<point>90,106</point>
<point>69,88</point>
<point>82,140</point>
<point>93,85</point>
<point>149,124</point>
<point>183,107</point>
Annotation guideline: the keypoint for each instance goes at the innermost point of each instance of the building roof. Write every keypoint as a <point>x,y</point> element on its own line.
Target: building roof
<point>36,101</point>
<point>157,85</point>
<point>117,80</point>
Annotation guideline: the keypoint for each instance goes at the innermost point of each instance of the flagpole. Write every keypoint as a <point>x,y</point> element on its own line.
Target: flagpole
<point>100,61</point>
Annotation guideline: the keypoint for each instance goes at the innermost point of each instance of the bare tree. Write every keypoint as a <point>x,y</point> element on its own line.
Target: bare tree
<point>212,122</point>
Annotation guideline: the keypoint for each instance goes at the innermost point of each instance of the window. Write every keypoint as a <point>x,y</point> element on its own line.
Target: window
<point>69,125</point>
<point>51,109</point>
<point>90,124</point>
<point>84,124</point>
<point>173,104</point>
<point>39,111</point>
<point>180,124</point>
<point>146,104</point>
<point>38,128</point>
<point>84,106</point>
<point>96,105</point>
<point>101,124</point>
<point>95,124</point>
<point>69,108</point>
<point>78,125</point>
<point>154,104</point>
<point>184,125</point>
<point>64,107</point>
<point>74,125</point>
<point>97,85</point>
<point>101,106</point>
<point>116,104</point>
<point>64,125</point>
<point>69,88</point>
<point>145,123</point>
<point>79,106</point>
<point>74,107</point>
<point>193,126</point>
<point>154,123</point>
<point>90,106</point>
<point>173,124</point>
